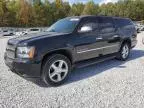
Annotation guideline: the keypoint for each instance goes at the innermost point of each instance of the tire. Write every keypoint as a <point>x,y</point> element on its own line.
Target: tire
<point>124,52</point>
<point>56,70</point>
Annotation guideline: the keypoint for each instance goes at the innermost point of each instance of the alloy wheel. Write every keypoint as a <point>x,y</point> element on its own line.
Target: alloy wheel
<point>125,51</point>
<point>58,70</point>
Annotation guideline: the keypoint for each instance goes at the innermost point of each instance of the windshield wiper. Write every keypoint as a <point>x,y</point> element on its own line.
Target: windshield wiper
<point>52,30</point>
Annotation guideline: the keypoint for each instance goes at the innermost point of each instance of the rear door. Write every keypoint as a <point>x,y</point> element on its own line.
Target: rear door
<point>110,35</point>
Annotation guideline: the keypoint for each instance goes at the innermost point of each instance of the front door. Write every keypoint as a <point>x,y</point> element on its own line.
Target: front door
<point>87,44</point>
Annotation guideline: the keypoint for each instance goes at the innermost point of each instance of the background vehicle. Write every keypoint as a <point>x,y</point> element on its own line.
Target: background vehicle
<point>137,28</point>
<point>9,32</point>
<point>32,31</point>
<point>20,33</point>
<point>70,42</point>
<point>142,28</point>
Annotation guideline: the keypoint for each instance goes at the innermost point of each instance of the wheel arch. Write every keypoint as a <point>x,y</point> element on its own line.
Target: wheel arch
<point>64,52</point>
<point>127,40</point>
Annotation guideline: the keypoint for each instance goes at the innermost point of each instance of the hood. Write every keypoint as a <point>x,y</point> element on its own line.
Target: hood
<point>40,35</point>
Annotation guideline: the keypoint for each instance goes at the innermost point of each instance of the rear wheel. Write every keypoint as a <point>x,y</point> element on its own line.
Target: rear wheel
<point>124,52</point>
<point>56,70</point>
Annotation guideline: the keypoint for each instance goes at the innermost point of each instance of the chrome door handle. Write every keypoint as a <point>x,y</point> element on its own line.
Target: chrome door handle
<point>100,38</point>
<point>115,36</point>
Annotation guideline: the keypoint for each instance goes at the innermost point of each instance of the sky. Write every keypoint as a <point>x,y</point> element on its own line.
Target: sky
<point>96,1</point>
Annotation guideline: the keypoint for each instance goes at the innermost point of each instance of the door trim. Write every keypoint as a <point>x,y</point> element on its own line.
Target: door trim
<point>79,52</point>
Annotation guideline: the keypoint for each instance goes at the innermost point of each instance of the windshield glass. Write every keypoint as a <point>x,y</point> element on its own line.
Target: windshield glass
<point>64,26</point>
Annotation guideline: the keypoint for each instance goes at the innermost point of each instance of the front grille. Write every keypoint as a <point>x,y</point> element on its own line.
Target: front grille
<point>10,47</point>
<point>10,51</point>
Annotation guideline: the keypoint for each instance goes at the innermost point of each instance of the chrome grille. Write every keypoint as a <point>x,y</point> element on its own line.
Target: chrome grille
<point>10,51</point>
<point>10,47</point>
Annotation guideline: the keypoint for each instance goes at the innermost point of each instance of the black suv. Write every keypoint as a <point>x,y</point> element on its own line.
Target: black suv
<point>70,42</point>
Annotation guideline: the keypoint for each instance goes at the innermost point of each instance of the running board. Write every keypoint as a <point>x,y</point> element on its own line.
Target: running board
<point>86,63</point>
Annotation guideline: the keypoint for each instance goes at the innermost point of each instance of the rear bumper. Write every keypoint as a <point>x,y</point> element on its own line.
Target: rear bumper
<point>24,68</point>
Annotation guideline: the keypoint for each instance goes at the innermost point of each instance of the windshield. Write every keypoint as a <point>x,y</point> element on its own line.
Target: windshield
<point>64,26</point>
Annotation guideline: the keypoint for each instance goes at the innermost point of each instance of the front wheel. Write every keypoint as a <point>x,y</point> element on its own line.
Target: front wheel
<point>56,70</point>
<point>124,52</point>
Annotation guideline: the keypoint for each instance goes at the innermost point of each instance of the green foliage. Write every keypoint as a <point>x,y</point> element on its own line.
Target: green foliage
<point>91,9</point>
<point>28,13</point>
<point>76,9</point>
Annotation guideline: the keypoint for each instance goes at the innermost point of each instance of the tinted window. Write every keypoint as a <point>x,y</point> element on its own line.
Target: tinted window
<point>123,22</point>
<point>106,25</point>
<point>90,22</point>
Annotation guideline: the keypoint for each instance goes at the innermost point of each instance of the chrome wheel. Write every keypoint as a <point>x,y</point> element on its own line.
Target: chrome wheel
<point>125,51</point>
<point>58,70</point>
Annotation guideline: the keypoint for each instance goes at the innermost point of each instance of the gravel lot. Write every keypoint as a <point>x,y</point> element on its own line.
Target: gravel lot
<point>110,84</point>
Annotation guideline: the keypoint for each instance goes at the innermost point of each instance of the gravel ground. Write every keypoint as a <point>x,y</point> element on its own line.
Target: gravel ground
<point>110,84</point>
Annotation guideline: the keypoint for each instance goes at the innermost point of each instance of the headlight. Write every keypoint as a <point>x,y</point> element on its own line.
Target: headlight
<point>25,52</point>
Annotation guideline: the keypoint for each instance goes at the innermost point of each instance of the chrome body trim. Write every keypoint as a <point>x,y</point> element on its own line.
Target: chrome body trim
<point>79,52</point>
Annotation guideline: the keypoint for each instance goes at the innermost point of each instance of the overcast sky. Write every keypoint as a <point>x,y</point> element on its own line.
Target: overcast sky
<point>96,1</point>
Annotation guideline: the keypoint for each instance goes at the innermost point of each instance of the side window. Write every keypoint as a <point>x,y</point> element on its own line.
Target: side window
<point>123,22</point>
<point>90,23</point>
<point>93,25</point>
<point>106,25</point>
<point>118,22</point>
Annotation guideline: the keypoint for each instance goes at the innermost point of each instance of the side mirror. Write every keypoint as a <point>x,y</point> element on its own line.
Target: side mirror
<point>85,29</point>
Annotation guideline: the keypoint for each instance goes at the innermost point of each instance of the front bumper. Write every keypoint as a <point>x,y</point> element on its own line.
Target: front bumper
<point>24,68</point>
<point>134,43</point>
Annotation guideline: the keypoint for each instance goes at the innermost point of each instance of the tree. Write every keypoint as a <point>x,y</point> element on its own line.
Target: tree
<point>108,9</point>
<point>76,9</point>
<point>3,13</point>
<point>43,13</point>
<point>91,9</point>
<point>13,8</point>
<point>60,9</point>
<point>24,13</point>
